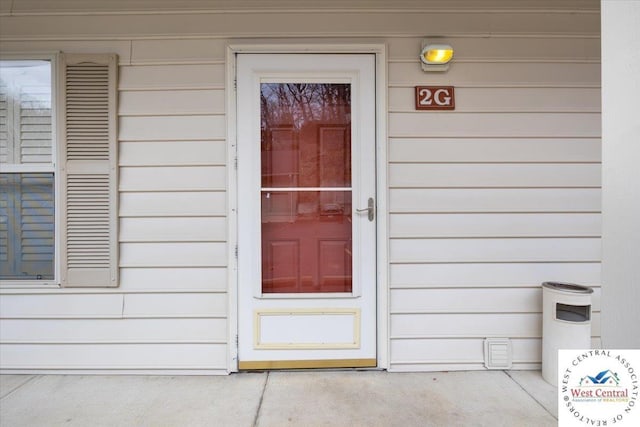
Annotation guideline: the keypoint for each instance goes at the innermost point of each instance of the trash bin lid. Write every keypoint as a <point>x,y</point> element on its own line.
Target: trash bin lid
<point>568,287</point>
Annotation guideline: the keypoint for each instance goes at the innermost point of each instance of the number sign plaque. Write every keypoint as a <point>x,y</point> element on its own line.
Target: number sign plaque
<point>435,98</point>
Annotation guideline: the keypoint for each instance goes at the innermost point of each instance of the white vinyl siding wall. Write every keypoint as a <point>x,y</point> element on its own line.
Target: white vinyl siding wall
<point>169,312</point>
<point>485,202</point>
<point>491,200</point>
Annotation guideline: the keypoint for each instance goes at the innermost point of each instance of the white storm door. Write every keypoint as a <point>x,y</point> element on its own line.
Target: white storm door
<point>306,210</point>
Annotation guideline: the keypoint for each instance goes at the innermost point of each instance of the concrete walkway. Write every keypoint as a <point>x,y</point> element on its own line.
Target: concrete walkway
<point>314,398</point>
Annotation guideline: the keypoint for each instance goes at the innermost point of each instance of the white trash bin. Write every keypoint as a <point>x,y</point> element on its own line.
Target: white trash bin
<point>566,323</point>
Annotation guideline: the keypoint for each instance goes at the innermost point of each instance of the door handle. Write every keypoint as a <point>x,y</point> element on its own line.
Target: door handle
<point>370,209</point>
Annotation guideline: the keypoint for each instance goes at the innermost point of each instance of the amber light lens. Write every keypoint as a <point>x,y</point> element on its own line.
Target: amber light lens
<point>438,56</point>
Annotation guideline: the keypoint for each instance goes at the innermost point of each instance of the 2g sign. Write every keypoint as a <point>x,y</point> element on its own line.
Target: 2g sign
<point>435,98</point>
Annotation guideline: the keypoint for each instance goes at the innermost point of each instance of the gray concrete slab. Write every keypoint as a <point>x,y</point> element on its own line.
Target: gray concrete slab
<point>9,383</point>
<point>543,392</point>
<point>398,399</point>
<point>54,400</point>
<point>312,398</point>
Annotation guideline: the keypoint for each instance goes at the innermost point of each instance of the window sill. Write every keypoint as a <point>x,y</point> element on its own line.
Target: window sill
<point>28,284</point>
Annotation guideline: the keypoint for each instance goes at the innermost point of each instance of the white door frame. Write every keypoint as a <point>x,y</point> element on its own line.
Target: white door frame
<point>379,49</point>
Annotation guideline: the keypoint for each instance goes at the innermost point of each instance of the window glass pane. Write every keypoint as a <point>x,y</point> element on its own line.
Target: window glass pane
<point>306,143</point>
<point>26,226</point>
<point>306,241</point>
<point>306,134</point>
<point>25,112</point>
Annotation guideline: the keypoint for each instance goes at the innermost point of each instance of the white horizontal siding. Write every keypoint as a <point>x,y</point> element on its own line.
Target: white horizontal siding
<point>480,325</point>
<point>190,254</point>
<point>115,305</point>
<point>517,74</point>
<point>171,128</point>
<point>223,6</point>
<point>202,178</point>
<point>189,229</point>
<point>494,175</point>
<point>350,23</point>
<point>173,153</point>
<point>172,102</point>
<point>495,225</point>
<point>120,47</point>
<point>177,51</point>
<point>530,47</point>
<point>136,357</point>
<point>460,301</point>
<point>175,305</point>
<point>172,77</point>
<point>485,202</point>
<point>457,353</point>
<point>495,274</point>
<point>170,310</point>
<point>508,99</point>
<point>495,250</point>
<point>492,199</point>
<point>106,331</point>
<point>494,125</point>
<point>60,305</point>
<point>492,150</point>
<point>179,279</point>
<point>173,204</point>
<point>423,200</point>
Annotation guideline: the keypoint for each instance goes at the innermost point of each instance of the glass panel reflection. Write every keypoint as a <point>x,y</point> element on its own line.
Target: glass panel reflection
<point>306,241</point>
<point>306,143</point>
<point>26,226</point>
<point>306,134</point>
<point>25,112</point>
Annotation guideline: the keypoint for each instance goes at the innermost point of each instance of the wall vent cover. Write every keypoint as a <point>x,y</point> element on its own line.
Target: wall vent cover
<point>497,353</point>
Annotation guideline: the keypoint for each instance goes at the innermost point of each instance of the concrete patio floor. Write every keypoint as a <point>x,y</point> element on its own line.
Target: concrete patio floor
<point>314,398</point>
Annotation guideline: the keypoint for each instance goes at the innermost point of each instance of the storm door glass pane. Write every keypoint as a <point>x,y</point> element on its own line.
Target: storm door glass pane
<point>306,187</point>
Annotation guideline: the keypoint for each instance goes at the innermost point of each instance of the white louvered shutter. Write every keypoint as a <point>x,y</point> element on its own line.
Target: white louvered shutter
<point>88,173</point>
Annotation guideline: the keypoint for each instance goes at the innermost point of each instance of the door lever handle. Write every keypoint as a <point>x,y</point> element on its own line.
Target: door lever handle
<point>370,209</point>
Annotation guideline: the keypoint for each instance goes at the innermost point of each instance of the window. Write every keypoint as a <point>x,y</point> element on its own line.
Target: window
<point>27,171</point>
<point>58,171</point>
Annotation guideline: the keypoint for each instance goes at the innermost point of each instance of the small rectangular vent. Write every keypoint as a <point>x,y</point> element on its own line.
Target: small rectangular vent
<point>497,353</point>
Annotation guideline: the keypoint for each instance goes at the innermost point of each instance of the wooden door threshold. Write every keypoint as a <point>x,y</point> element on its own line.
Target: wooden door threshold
<point>306,364</point>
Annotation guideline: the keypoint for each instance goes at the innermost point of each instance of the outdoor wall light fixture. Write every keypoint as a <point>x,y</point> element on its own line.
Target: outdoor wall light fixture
<point>435,57</point>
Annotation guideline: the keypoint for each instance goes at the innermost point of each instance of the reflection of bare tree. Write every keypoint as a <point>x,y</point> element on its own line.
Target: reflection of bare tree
<point>306,134</point>
<point>306,142</point>
<point>299,103</point>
